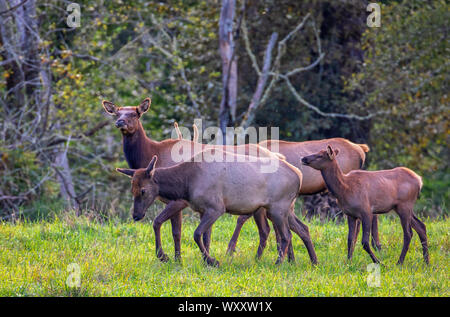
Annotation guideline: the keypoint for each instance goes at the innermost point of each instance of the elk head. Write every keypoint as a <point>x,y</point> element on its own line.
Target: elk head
<point>143,187</point>
<point>127,117</point>
<point>320,159</point>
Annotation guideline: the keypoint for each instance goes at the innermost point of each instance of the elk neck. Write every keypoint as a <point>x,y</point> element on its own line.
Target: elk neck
<point>334,178</point>
<point>173,181</point>
<point>138,148</point>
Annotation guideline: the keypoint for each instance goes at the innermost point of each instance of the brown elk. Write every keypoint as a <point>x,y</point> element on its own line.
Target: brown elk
<point>214,187</point>
<point>139,150</point>
<point>352,157</point>
<point>361,194</point>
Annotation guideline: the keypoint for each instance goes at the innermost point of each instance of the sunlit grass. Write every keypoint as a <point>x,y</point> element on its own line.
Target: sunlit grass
<point>118,259</point>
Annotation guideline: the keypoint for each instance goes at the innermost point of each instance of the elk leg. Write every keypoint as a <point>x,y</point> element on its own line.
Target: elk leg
<point>405,215</point>
<point>366,220</point>
<point>421,230</point>
<point>207,238</point>
<point>358,225</point>
<point>277,234</point>
<point>353,227</point>
<point>375,236</point>
<point>240,222</point>
<point>263,230</point>
<point>173,208</point>
<point>303,232</point>
<point>177,221</point>
<point>206,222</point>
<point>281,225</point>
<point>290,250</point>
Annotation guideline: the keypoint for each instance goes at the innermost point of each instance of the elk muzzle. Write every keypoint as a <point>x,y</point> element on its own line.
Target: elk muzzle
<point>138,209</point>
<point>120,123</point>
<point>305,160</point>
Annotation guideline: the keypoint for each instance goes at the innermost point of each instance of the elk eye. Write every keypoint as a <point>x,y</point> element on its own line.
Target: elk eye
<point>142,191</point>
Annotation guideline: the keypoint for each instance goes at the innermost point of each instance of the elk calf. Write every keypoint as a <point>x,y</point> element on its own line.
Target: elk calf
<point>361,194</point>
<point>351,157</point>
<point>213,188</point>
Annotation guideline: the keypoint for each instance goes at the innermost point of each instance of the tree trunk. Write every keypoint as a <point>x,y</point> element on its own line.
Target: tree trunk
<point>19,38</point>
<point>227,113</point>
<point>64,178</point>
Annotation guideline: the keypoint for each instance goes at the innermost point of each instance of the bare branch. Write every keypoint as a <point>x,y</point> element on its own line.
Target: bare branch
<point>276,75</point>
<point>9,11</point>
<point>254,104</point>
<point>248,48</point>
<point>88,133</point>
<point>327,114</point>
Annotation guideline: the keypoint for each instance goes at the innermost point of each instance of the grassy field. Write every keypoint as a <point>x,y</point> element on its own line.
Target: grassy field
<point>118,259</point>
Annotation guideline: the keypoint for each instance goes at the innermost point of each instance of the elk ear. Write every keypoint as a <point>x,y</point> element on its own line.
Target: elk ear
<point>151,165</point>
<point>126,171</point>
<point>177,129</point>
<point>109,107</point>
<point>336,152</point>
<point>144,106</point>
<point>330,152</point>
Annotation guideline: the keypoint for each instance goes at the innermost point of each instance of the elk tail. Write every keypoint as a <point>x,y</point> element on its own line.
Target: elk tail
<point>420,186</point>
<point>364,147</point>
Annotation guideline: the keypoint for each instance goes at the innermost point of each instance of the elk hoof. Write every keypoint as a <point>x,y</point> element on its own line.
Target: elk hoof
<point>278,261</point>
<point>177,257</point>
<point>212,262</point>
<point>376,246</point>
<point>163,257</point>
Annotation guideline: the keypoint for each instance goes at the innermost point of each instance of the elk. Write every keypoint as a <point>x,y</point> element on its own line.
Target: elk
<point>352,157</point>
<point>139,150</point>
<point>213,187</point>
<point>362,194</point>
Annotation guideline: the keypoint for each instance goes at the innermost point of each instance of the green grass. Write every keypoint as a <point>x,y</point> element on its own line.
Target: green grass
<point>118,259</point>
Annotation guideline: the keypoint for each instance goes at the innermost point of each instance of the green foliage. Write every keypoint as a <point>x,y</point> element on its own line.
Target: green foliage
<point>406,73</point>
<point>22,172</point>
<point>435,196</point>
<point>125,51</point>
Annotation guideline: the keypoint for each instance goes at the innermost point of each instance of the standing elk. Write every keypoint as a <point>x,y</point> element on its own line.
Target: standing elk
<point>362,194</point>
<point>213,187</point>
<point>352,157</point>
<point>139,150</point>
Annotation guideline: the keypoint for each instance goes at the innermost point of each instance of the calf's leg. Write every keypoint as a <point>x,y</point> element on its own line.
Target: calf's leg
<point>263,230</point>
<point>280,223</point>
<point>353,227</point>
<point>405,214</point>
<point>421,230</point>
<point>240,222</point>
<point>173,208</point>
<point>207,237</point>
<point>207,220</point>
<point>366,220</point>
<point>177,221</point>
<point>375,237</point>
<point>303,232</point>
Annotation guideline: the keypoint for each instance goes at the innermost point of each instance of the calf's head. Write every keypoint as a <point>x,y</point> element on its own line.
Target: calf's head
<point>320,159</point>
<point>143,187</point>
<point>127,118</point>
